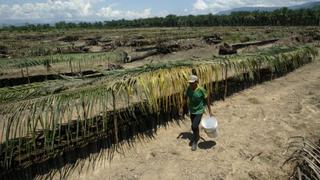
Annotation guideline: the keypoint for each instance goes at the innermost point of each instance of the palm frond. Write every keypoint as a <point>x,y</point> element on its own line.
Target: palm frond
<point>306,157</point>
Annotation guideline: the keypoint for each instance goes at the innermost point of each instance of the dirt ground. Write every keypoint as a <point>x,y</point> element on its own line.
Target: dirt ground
<point>254,128</point>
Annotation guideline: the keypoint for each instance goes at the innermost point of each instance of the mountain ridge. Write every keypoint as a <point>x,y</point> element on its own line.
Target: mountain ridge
<point>308,5</point>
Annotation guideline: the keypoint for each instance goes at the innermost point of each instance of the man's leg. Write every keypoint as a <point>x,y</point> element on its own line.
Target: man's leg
<point>195,119</point>
<point>192,116</point>
<point>195,126</point>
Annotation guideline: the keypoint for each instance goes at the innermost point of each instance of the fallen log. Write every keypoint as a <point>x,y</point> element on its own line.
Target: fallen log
<point>140,57</point>
<point>69,38</point>
<point>164,48</point>
<point>138,42</point>
<point>145,49</point>
<point>161,48</point>
<point>256,43</point>
<point>226,49</point>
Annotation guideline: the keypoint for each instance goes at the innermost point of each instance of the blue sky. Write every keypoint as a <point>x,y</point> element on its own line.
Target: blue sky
<point>96,10</point>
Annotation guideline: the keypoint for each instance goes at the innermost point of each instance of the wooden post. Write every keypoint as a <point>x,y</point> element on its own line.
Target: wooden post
<point>47,65</point>
<point>70,65</point>
<point>80,69</point>
<point>28,75</point>
<point>115,122</point>
<point>225,83</point>
<point>85,117</point>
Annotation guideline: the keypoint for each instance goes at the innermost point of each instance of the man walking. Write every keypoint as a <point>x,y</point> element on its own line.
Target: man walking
<point>198,99</point>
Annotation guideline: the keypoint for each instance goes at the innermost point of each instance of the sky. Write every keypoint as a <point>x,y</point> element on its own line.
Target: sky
<point>48,11</point>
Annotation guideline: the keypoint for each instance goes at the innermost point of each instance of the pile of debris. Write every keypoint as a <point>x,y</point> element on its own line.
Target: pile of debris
<point>90,44</point>
<point>168,47</point>
<point>226,49</point>
<point>303,39</point>
<point>311,33</point>
<point>213,39</point>
<point>69,38</point>
<point>112,66</point>
<point>138,43</point>
<point>31,37</point>
<point>4,52</point>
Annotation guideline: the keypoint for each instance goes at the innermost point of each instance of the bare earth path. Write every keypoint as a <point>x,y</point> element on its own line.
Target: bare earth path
<point>254,129</point>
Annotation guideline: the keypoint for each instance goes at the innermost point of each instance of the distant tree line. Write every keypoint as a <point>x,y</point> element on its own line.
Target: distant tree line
<point>279,17</point>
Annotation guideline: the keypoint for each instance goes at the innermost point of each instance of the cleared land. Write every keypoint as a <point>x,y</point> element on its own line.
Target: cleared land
<point>67,96</point>
<point>255,126</point>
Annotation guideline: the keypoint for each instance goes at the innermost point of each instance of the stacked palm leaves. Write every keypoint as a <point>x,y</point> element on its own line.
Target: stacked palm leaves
<point>40,124</point>
<point>72,62</point>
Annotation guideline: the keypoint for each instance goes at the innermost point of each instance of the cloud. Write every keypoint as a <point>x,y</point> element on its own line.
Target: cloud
<point>87,10</point>
<point>109,12</point>
<point>64,9</point>
<point>133,14</point>
<point>215,6</point>
<point>58,10</point>
<point>200,5</point>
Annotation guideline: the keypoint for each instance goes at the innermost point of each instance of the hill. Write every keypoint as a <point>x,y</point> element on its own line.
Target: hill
<point>269,9</point>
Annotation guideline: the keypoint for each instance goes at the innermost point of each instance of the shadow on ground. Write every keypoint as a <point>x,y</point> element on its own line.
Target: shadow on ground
<point>207,144</point>
<point>204,144</point>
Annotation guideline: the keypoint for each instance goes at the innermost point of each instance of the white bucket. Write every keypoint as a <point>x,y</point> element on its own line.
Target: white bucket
<point>210,126</point>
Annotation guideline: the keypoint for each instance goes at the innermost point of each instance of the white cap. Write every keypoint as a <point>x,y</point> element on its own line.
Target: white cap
<point>193,78</point>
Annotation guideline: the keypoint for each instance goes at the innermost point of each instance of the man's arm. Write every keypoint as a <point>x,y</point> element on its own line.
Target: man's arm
<point>207,99</point>
<point>209,106</point>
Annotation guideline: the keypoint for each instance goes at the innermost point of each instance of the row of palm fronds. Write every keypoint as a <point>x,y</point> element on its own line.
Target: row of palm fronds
<point>82,106</point>
<point>23,92</point>
<point>306,158</point>
<point>73,62</point>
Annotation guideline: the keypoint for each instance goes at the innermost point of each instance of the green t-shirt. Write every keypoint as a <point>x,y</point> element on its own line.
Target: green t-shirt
<point>197,100</point>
